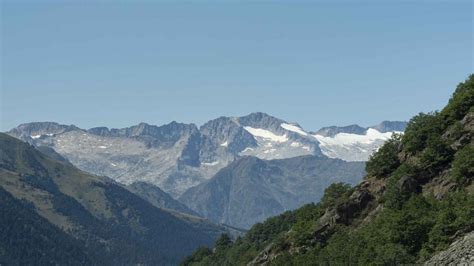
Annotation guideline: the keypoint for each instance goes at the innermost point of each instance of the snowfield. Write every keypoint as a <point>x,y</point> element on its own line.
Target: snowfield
<point>263,133</point>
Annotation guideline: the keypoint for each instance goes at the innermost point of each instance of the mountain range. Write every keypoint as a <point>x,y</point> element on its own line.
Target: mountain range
<point>178,156</point>
<point>188,162</point>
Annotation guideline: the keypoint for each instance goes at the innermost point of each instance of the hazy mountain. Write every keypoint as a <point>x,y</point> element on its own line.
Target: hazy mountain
<point>178,156</point>
<point>84,217</point>
<point>250,189</point>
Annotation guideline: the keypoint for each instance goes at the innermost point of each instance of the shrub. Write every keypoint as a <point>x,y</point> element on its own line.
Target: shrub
<point>435,157</point>
<point>463,165</point>
<point>385,160</point>
<point>335,192</point>
<point>420,130</point>
<point>461,102</point>
<point>197,256</point>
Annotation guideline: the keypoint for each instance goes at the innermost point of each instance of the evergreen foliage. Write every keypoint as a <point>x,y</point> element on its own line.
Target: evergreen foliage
<point>385,160</point>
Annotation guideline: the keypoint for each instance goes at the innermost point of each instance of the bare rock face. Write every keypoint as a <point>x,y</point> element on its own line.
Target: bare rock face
<point>468,122</point>
<point>345,212</point>
<point>461,252</point>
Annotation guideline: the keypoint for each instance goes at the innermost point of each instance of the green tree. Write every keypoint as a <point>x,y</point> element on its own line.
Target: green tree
<point>463,165</point>
<point>461,102</point>
<point>420,130</point>
<point>385,160</point>
<point>335,192</point>
<point>223,242</point>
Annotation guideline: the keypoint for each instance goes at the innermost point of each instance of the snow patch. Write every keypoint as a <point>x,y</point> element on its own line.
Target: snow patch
<point>247,149</point>
<point>102,147</point>
<point>342,139</point>
<point>35,136</point>
<point>225,144</point>
<point>211,164</point>
<point>294,128</point>
<point>262,133</point>
<point>295,144</point>
<point>269,151</point>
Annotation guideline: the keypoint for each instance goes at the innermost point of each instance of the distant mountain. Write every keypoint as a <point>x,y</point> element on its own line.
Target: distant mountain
<point>390,126</point>
<point>57,214</point>
<point>334,130</point>
<point>383,127</point>
<point>355,143</point>
<point>140,153</point>
<point>249,190</point>
<point>176,156</point>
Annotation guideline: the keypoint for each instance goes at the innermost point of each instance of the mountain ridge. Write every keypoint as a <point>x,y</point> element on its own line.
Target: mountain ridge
<point>177,156</point>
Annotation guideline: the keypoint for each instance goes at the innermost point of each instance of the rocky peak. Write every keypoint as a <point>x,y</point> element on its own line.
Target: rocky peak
<point>334,130</point>
<point>37,129</point>
<point>261,120</point>
<point>225,133</point>
<point>144,129</point>
<point>389,126</point>
<point>219,126</point>
<point>100,131</point>
<point>383,127</point>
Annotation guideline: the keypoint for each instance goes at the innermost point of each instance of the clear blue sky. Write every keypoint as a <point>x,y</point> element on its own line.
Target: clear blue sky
<point>117,64</point>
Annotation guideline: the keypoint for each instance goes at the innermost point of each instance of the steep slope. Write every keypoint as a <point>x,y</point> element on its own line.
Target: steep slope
<point>461,252</point>
<point>417,199</point>
<point>164,201</point>
<point>158,197</point>
<point>178,156</point>
<point>25,232</point>
<point>108,224</point>
<point>250,189</point>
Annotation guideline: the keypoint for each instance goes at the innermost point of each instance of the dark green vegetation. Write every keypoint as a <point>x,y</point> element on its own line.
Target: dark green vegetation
<point>53,213</point>
<point>417,198</point>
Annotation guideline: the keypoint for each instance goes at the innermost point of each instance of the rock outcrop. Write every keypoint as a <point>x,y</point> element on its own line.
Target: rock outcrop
<point>461,252</point>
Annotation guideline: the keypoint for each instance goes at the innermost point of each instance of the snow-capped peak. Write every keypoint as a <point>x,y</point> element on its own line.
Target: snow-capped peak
<point>352,147</point>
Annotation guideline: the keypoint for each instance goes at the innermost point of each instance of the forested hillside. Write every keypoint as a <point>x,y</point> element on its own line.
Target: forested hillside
<point>416,199</point>
<point>54,214</point>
